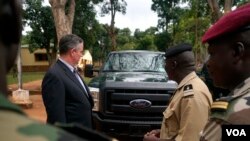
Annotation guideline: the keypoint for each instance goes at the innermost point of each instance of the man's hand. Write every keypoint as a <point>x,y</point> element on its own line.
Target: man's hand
<point>153,135</point>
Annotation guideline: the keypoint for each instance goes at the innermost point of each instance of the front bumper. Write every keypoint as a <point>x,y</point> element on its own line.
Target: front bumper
<point>120,128</point>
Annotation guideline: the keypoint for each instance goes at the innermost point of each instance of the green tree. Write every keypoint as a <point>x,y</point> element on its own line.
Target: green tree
<point>85,25</point>
<point>101,48</point>
<point>63,13</point>
<point>168,12</point>
<point>146,43</point>
<point>219,8</point>
<point>145,39</point>
<point>125,40</point>
<point>162,40</point>
<point>112,7</point>
<point>40,20</point>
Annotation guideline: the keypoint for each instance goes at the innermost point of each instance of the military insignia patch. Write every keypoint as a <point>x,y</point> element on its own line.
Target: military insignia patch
<point>188,90</point>
<point>219,105</point>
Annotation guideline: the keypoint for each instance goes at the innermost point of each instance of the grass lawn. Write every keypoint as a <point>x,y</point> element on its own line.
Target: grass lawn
<point>26,77</point>
<point>31,76</point>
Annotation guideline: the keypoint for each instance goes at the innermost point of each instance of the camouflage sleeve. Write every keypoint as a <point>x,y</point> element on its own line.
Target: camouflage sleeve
<point>212,131</point>
<point>17,127</point>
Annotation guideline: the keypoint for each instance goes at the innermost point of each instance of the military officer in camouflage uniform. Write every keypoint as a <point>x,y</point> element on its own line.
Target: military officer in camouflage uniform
<point>188,110</point>
<point>14,124</point>
<point>229,66</point>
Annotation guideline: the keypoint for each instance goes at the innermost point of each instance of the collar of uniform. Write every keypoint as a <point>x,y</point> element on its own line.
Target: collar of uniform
<point>241,88</point>
<point>186,79</point>
<point>5,104</point>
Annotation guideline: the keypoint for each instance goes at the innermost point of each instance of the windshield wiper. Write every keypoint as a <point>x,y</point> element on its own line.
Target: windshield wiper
<point>145,71</point>
<point>114,71</point>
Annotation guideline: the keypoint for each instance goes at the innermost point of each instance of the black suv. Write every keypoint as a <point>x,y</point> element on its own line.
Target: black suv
<point>130,93</point>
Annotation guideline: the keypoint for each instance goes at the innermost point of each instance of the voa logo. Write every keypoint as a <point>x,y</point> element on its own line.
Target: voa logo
<point>236,132</point>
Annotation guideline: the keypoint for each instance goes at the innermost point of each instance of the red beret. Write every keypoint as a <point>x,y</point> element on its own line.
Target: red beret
<point>231,22</point>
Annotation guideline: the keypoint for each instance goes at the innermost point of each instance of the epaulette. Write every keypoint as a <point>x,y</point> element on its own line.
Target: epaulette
<point>188,90</point>
<point>220,105</point>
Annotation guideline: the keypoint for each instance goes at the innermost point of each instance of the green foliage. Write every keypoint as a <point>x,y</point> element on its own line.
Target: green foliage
<point>113,6</point>
<point>240,2</point>
<point>40,19</point>
<point>124,39</point>
<point>102,46</point>
<point>166,10</point>
<point>145,40</point>
<point>128,46</point>
<point>146,43</point>
<point>25,39</point>
<point>177,23</point>
<point>162,40</point>
<point>85,25</point>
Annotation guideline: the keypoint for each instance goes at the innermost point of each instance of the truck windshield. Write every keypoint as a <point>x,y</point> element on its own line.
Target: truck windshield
<point>135,62</point>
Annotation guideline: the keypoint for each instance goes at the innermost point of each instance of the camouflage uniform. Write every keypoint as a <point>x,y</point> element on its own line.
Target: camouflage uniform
<point>233,109</point>
<point>15,126</point>
<point>192,100</point>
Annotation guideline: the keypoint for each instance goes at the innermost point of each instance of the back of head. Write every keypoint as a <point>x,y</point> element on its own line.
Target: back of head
<point>10,30</point>
<point>10,34</point>
<point>179,61</point>
<point>183,54</point>
<point>68,42</point>
<point>186,61</point>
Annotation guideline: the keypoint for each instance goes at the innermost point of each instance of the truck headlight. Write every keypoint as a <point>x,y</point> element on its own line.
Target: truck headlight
<point>95,95</point>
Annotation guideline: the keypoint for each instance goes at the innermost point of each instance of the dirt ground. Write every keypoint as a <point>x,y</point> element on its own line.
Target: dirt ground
<point>37,111</point>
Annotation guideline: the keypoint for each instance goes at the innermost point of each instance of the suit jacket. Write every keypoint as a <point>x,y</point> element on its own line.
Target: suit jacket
<point>64,98</point>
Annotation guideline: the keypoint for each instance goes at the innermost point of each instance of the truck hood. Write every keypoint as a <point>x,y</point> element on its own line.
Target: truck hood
<point>128,77</point>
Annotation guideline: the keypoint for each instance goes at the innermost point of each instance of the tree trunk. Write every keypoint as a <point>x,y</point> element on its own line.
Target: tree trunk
<point>113,37</point>
<point>216,14</point>
<point>196,31</point>
<point>63,21</point>
<point>228,6</point>
<point>112,27</point>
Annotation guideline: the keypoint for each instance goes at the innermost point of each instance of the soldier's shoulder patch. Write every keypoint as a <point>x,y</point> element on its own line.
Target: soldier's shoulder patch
<point>188,90</point>
<point>219,106</point>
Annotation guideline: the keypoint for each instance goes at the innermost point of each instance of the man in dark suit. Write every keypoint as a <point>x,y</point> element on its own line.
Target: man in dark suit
<point>65,95</point>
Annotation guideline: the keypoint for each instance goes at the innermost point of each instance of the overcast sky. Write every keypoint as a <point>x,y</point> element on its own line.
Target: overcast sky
<point>138,15</point>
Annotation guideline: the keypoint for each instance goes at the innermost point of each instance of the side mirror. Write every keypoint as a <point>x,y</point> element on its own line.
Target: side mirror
<point>88,71</point>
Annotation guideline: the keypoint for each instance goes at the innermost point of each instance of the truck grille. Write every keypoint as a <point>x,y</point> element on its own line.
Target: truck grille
<point>118,102</point>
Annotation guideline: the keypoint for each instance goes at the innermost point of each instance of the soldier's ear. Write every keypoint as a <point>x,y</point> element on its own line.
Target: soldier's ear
<point>238,50</point>
<point>174,64</point>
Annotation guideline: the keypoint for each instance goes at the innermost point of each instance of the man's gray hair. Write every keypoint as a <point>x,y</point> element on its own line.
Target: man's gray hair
<point>68,42</point>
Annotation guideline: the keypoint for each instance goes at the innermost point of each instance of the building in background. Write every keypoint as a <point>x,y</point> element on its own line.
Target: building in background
<point>34,62</point>
<point>85,60</point>
<point>38,60</point>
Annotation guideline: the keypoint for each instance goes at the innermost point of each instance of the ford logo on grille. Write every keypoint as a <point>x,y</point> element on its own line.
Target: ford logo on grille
<point>140,103</point>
